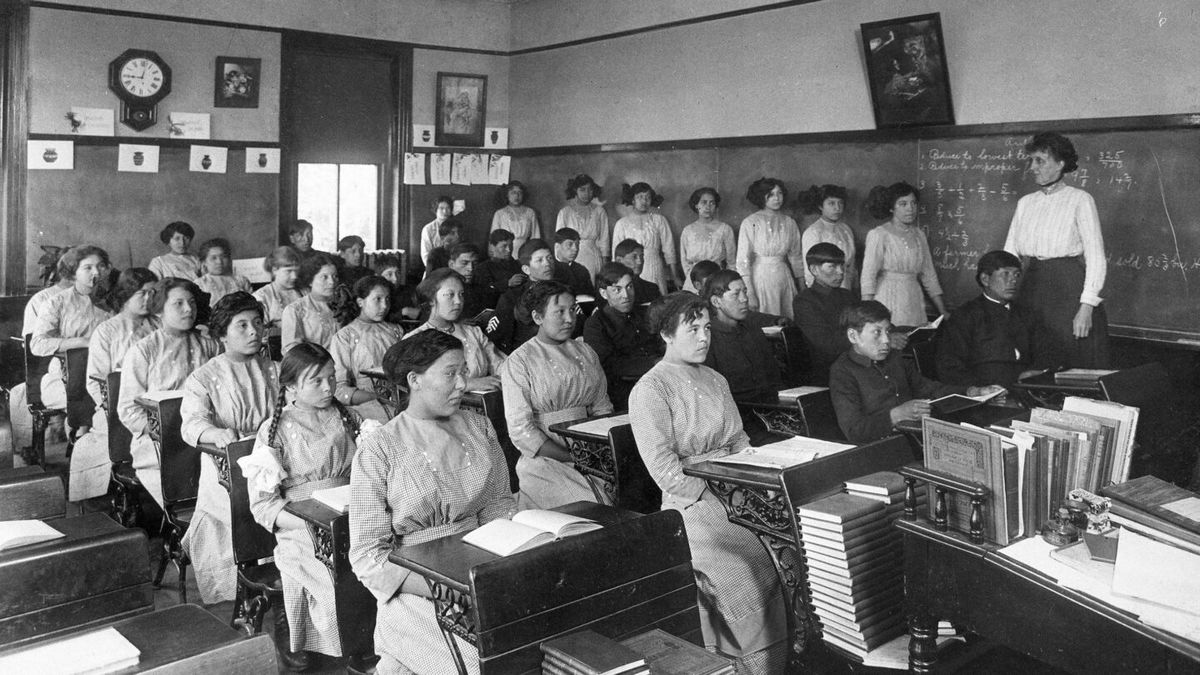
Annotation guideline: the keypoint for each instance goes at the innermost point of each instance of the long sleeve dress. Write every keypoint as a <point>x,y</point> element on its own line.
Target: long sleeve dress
<point>160,361</point>
<point>308,320</point>
<point>415,480</point>
<point>430,239</point>
<point>522,221</point>
<point>313,450</point>
<point>652,231</point>
<point>218,286</point>
<point>483,359</point>
<point>682,415</point>
<point>359,346</point>
<point>68,315</point>
<point>221,394</point>
<point>839,234</point>
<point>768,256</point>
<point>544,384</point>
<point>274,300</point>
<point>186,266</point>
<point>595,237</point>
<point>896,265</point>
<point>90,463</point>
<point>705,241</point>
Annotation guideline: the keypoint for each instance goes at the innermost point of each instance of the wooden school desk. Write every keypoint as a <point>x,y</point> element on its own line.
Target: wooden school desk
<point>1006,602</point>
<point>29,493</point>
<point>631,576</point>
<point>764,501</point>
<point>613,458</point>
<point>809,415</point>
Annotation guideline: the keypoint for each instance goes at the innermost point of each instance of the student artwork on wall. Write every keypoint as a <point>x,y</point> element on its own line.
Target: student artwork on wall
<point>90,121</point>
<point>906,66</point>
<point>461,109</point>
<point>439,168</point>
<point>423,135</point>
<point>189,125</point>
<point>262,160</point>
<point>53,155</point>
<point>208,159</point>
<point>137,158</point>
<point>236,82</point>
<point>414,168</point>
<point>495,137</point>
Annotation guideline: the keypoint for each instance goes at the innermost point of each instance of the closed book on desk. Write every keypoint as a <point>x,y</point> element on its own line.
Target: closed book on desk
<point>974,455</point>
<point>101,651</point>
<point>883,483</point>
<point>1126,417</point>
<point>834,539</point>
<point>589,653</point>
<point>667,654</point>
<point>1158,498</point>
<point>840,511</point>
<point>336,498</point>
<point>526,530</point>
<point>14,533</point>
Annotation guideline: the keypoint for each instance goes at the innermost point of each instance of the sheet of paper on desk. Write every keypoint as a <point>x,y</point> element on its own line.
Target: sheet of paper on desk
<point>799,392</point>
<point>772,330</point>
<point>601,426</point>
<point>1157,572</point>
<point>894,655</point>
<point>788,452</point>
<point>101,651</point>
<point>160,395</point>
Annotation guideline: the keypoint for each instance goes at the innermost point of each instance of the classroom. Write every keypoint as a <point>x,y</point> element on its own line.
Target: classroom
<point>393,134</point>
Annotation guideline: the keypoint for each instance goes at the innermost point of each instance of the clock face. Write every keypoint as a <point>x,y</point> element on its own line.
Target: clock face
<point>141,77</point>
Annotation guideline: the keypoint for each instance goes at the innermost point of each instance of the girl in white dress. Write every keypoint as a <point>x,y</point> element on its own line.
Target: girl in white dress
<point>707,238</point>
<point>830,202</point>
<point>769,252</point>
<point>444,292</point>
<point>284,266</point>
<point>312,318</point>
<point>585,214</point>
<point>218,280</point>
<point>652,231</point>
<point>176,262</point>
<point>897,262</point>
<point>361,344</point>
<point>442,209</point>
<point>512,214</point>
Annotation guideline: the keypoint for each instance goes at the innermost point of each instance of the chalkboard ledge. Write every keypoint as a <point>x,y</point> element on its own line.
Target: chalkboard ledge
<point>142,140</point>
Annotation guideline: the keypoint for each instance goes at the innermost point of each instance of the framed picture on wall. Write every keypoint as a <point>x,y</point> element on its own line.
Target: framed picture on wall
<point>461,109</point>
<point>906,67</point>
<point>236,82</point>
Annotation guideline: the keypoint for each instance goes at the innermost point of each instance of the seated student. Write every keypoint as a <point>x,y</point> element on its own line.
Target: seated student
<point>218,279</point>
<point>442,208</point>
<point>513,324</point>
<point>350,252</point>
<point>700,273</point>
<point>300,233</point>
<point>547,380</point>
<point>501,270</point>
<point>463,259</point>
<point>818,309</point>
<point>632,254</point>
<point>435,470</point>
<point>449,234</point>
<point>308,444</point>
<point>403,304</point>
<point>739,351</point>
<point>682,413</point>
<point>283,263</point>
<point>161,361</point>
<point>566,270</point>
<point>754,318</point>
<point>873,386</point>
<point>361,344</point>
<point>442,293</point>
<point>991,338</point>
<point>176,262</point>
<point>312,318</point>
<point>625,348</point>
<point>225,399</point>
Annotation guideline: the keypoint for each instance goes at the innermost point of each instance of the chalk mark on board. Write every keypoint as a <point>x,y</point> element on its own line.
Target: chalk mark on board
<point>1174,237</point>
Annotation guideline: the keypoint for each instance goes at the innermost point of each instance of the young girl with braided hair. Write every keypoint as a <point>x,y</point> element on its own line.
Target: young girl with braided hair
<point>307,444</point>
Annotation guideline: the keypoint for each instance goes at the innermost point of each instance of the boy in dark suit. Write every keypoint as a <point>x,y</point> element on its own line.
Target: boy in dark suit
<point>451,233</point>
<point>566,270</point>
<point>633,255</point>
<point>500,271</point>
<point>818,310</point>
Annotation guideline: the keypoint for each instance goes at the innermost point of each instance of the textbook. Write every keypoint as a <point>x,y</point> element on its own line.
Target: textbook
<point>884,483</point>
<point>336,498</point>
<point>1151,500</point>
<point>101,651</point>
<point>786,453</point>
<point>670,655</point>
<point>160,395</point>
<point>925,332</point>
<point>801,392</point>
<point>588,652</point>
<point>839,509</point>
<point>526,530</point>
<point>952,403</point>
<point>14,533</point>
<point>975,455</point>
<point>1081,375</point>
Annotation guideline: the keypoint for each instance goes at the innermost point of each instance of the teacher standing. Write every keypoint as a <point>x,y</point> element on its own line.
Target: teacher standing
<point>1056,232</point>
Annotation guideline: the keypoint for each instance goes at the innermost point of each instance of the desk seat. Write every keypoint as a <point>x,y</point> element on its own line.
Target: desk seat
<point>98,572</point>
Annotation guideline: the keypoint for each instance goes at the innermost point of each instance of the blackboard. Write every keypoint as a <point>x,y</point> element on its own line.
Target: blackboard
<point>1145,186</point>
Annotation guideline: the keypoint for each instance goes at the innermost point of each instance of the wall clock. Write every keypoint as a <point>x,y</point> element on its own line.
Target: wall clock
<point>140,78</point>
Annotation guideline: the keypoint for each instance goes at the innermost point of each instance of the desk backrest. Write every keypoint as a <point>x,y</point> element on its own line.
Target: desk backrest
<point>792,353</point>
<point>35,368</point>
<point>251,541</point>
<point>637,491</point>
<point>178,461</point>
<point>80,406</point>
<point>925,355</point>
<point>493,409</point>
<point>825,475</point>
<point>119,437</point>
<point>625,579</point>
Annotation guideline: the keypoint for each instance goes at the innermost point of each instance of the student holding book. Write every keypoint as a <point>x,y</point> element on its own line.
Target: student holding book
<point>682,413</point>
<point>513,216</point>
<point>550,379</point>
<point>433,471</point>
<point>225,399</point>
<point>361,344</point>
<point>161,361</point>
<point>443,293</point>
<point>873,386</point>
<point>308,444</point>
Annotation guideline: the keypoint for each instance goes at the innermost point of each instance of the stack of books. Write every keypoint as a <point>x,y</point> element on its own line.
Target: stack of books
<point>1157,509</point>
<point>855,570</point>
<point>667,654</point>
<point>1080,375</point>
<point>886,487</point>
<point>589,653</point>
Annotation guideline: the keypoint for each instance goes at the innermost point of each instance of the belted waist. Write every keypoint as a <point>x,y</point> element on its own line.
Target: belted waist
<point>305,490</point>
<point>892,273</point>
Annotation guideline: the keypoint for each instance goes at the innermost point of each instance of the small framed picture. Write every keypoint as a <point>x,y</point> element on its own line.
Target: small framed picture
<point>461,109</point>
<point>906,66</point>
<point>236,82</point>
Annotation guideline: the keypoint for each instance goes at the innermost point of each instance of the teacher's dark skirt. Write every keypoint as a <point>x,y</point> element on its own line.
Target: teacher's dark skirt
<point>1052,288</point>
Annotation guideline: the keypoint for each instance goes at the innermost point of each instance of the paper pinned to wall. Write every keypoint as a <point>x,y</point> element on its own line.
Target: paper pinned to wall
<point>58,155</point>
<point>189,125</point>
<point>498,167</point>
<point>414,168</point>
<point>422,135</point>
<point>460,170</point>
<point>91,121</point>
<point>495,137</point>
<point>439,168</point>
<point>137,158</point>
<point>262,160</point>
<point>208,159</point>
<point>479,170</point>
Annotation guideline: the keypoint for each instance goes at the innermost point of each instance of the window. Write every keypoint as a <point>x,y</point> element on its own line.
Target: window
<point>339,200</point>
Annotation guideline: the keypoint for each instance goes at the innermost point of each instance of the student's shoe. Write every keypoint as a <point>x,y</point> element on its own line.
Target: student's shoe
<point>297,661</point>
<point>361,665</point>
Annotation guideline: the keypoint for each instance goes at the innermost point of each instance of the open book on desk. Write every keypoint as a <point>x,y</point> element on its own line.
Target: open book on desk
<point>786,453</point>
<point>160,395</point>
<point>925,332</point>
<point>954,402</point>
<point>526,530</point>
<point>14,533</point>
